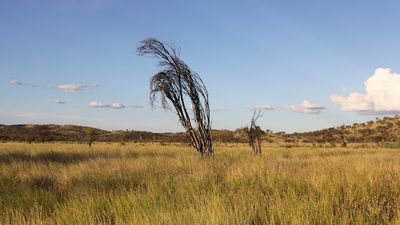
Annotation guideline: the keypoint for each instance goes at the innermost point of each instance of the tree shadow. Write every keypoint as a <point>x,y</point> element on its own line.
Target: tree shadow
<point>47,157</point>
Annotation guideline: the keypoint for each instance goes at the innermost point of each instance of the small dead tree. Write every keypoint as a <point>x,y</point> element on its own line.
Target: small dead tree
<point>342,135</point>
<point>176,83</point>
<point>254,133</point>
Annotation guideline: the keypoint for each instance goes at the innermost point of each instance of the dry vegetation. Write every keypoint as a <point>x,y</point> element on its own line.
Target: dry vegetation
<point>383,132</point>
<point>170,184</point>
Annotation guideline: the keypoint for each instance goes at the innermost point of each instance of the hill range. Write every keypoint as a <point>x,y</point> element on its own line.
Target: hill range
<point>385,130</point>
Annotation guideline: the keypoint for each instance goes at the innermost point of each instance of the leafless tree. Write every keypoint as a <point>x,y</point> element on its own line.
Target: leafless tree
<point>176,83</point>
<point>254,133</point>
<point>342,135</point>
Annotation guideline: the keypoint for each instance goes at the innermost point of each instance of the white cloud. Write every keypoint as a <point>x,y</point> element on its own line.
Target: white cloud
<point>305,107</point>
<point>72,88</point>
<point>353,102</point>
<point>96,104</point>
<point>58,101</point>
<point>117,106</point>
<point>382,95</point>
<point>15,82</point>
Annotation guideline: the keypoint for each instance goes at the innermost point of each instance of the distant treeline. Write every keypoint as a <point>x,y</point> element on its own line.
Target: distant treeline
<point>377,131</point>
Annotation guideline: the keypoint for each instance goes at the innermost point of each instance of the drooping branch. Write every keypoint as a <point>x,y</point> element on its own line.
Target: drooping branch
<point>178,85</point>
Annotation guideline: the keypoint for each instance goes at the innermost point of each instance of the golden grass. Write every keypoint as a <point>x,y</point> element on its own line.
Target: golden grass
<point>170,184</point>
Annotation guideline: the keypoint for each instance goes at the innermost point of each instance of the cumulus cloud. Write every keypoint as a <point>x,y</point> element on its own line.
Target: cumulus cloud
<point>58,101</point>
<point>382,95</point>
<point>72,88</point>
<point>15,82</point>
<point>305,107</point>
<point>353,102</point>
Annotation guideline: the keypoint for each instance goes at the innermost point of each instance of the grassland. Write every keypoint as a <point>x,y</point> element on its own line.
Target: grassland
<point>170,184</point>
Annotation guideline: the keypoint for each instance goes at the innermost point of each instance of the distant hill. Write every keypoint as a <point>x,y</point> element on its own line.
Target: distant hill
<point>71,133</point>
<point>378,131</point>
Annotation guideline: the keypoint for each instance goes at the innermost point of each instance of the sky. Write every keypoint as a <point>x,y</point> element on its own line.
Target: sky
<point>307,64</point>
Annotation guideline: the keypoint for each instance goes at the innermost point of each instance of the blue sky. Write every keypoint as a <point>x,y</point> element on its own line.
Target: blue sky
<point>308,60</point>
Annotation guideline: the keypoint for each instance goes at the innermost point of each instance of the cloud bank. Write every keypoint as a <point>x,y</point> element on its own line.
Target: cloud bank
<point>382,95</point>
<point>72,88</point>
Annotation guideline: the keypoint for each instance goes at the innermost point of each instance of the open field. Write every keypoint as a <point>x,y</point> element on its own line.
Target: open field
<point>170,184</point>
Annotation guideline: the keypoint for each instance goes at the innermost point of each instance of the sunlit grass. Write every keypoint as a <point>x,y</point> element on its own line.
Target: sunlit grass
<point>170,184</point>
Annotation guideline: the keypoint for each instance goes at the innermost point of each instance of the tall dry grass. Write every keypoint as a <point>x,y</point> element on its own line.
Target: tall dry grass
<point>170,184</point>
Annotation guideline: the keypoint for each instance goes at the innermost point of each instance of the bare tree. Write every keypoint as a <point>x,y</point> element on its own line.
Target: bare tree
<point>342,135</point>
<point>268,134</point>
<point>254,133</point>
<point>176,83</point>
